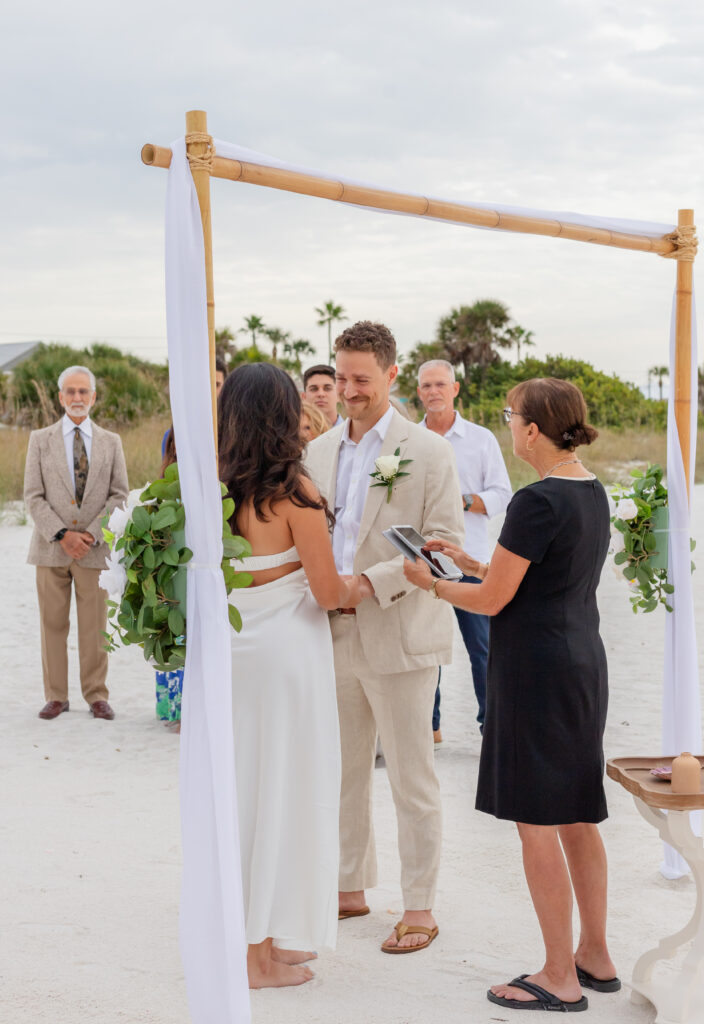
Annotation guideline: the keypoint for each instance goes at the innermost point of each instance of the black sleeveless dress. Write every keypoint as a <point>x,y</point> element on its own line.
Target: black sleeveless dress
<point>542,759</point>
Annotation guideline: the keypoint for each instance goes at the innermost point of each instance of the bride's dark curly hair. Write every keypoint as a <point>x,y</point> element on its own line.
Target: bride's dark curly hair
<point>259,415</point>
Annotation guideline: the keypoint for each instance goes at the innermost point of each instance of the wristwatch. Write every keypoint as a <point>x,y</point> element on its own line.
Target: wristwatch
<point>433,588</point>
<point>59,535</point>
<point>467,501</point>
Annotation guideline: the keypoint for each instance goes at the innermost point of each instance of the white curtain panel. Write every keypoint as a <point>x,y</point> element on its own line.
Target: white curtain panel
<point>681,709</point>
<point>213,945</point>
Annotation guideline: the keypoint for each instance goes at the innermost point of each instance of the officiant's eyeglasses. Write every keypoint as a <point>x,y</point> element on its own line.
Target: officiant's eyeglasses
<point>509,412</point>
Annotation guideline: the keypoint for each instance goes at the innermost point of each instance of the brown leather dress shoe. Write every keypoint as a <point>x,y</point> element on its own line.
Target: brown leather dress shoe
<point>53,708</point>
<point>101,709</point>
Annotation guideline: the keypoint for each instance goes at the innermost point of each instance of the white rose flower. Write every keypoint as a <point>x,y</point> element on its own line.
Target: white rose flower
<point>387,466</point>
<point>113,578</point>
<point>119,518</point>
<point>133,497</point>
<point>626,509</point>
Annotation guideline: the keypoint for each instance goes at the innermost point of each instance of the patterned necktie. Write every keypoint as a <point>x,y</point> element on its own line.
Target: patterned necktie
<point>80,465</point>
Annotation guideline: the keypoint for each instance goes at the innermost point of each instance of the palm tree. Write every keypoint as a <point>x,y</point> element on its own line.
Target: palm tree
<point>255,326</point>
<point>328,314</point>
<point>659,372</point>
<point>225,342</point>
<point>470,335</point>
<point>519,336</point>
<point>294,352</point>
<point>277,337</point>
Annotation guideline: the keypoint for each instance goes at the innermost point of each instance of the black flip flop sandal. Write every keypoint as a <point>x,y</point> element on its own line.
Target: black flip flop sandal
<point>587,980</point>
<point>544,1000</point>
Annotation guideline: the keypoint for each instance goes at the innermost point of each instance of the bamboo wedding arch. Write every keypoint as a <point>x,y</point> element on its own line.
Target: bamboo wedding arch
<point>680,245</point>
<point>212,918</point>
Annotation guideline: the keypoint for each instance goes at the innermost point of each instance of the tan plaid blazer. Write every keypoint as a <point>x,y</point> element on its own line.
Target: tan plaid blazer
<point>51,500</point>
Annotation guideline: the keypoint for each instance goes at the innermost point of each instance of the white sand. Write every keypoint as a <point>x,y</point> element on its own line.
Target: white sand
<point>89,851</point>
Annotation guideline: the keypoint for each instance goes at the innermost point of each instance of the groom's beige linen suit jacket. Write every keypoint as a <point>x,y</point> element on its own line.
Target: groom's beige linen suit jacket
<point>404,628</point>
<point>51,500</point>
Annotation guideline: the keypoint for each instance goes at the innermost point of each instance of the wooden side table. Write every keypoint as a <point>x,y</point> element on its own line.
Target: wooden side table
<point>679,996</point>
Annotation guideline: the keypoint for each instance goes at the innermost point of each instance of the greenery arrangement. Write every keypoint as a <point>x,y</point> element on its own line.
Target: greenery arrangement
<point>640,546</point>
<point>146,576</point>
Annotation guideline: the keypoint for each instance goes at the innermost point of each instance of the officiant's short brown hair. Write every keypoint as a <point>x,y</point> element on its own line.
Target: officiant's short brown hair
<point>364,336</point>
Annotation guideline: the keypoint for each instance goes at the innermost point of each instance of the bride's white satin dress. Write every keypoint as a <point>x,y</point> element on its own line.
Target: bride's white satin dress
<point>287,756</point>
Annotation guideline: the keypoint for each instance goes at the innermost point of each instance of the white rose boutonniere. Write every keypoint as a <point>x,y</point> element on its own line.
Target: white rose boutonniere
<point>388,471</point>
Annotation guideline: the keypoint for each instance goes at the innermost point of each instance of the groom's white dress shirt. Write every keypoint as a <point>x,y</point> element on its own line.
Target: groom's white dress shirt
<point>356,462</point>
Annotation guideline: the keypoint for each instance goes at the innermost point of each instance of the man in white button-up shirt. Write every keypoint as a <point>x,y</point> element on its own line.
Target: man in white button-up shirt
<point>388,647</point>
<point>486,491</point>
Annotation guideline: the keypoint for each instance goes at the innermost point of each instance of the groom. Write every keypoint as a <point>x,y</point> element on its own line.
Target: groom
<point>388,647</point>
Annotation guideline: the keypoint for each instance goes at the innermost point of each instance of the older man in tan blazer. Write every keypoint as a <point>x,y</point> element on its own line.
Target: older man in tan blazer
<point>75,472</point>
<point>387,648</point>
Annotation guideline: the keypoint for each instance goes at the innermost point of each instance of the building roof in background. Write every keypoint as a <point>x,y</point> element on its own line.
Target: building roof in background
<point>13,353</point>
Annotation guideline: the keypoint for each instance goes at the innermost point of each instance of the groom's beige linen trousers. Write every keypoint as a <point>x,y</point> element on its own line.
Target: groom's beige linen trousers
<point>387,657</point>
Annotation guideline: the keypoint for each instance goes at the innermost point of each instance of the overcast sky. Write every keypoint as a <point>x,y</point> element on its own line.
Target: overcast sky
<point>558,104</point>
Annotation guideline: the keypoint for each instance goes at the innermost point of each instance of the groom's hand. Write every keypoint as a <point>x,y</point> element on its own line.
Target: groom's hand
<point>359,588</point>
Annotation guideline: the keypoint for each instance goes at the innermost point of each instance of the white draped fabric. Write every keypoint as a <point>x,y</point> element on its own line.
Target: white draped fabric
<point>213,945</point>
<point>681,709</point>
<point>212,933</point>
<point>654,230</point>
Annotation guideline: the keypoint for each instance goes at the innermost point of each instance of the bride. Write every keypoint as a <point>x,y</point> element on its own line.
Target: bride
<point>287,754</point>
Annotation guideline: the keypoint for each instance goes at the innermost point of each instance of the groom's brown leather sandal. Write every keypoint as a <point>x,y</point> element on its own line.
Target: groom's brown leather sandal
<point>402,929</point>
<point>342,915</point>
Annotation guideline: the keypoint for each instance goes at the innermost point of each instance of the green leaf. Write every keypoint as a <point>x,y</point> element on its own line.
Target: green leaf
<point>636,474</point>
<point>228,508</point>
<point>668,607</point>
<point>186,556</point>
<point>630,572</point>
<point>171,472</point>
<point>140,520</point>
<point>242,579</point>
<point>234,617</point>
<point>132,575</point>
<point>149,559</point>
<point>176,621</point>
<point>620,557</point>
<point>643,576</point>
<point>650,542</point>
<point>398,451</point>
<point>692,543</point>
<point>166,516</point>
<point>668,588</point>
<point>171,555</point>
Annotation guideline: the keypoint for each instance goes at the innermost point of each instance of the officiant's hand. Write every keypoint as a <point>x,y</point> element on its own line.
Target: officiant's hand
<point>469,566</point>
<point>418,573</point>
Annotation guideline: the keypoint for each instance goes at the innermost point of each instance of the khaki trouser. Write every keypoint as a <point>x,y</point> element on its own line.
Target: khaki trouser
<point>54,593</point>
<point>400,708</point>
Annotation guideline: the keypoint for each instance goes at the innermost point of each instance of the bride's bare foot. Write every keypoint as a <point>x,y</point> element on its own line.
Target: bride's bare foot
<point>291,956</point>
<point>264,970</point>
<point>279,975</point>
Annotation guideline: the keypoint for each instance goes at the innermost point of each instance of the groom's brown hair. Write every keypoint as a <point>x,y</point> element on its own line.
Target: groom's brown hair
<point>365,336</point>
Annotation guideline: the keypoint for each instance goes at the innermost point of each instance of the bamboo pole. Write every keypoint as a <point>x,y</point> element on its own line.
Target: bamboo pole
<point>198,148</point>
<point>398,202</point>
<point>683,350</point>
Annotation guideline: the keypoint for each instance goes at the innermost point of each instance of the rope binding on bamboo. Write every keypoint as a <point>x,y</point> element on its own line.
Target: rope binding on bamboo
<point>685,241</point>
<point>200,161</point>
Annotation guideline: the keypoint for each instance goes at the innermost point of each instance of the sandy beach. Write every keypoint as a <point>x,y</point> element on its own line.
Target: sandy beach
<point>90,850</point>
